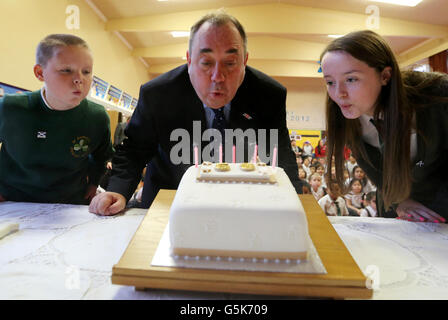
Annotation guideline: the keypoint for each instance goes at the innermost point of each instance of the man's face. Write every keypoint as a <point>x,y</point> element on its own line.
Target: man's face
<point>216,63</point>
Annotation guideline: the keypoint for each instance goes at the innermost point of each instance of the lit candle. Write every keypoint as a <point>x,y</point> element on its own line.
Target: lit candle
<point>220,153</point>
<point>233,154</point>
<point>274,157</point>
<point>255,154</point>
<point>196,157</point>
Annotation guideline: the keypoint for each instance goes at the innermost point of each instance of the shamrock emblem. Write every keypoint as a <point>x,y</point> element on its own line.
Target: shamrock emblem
<point>80,146</point>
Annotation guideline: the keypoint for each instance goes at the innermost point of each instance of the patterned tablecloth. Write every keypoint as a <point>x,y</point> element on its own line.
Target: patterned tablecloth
<point>65,252</point>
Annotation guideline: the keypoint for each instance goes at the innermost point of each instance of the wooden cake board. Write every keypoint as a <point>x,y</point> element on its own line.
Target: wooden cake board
<point>343,279</point>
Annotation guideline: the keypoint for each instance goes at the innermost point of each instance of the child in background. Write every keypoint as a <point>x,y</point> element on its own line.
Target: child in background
<point>323,162</point>
<point>307,149</point>
<point>350,164</point>
<point>307,165</point>
<point>346,178</point>
<point>317,190</point>
<point>320,150</point>
<point>60,151</point>
<point>321,171</point>
<point>302,173</point>
<point>299,161</point>
<point>333,204</point>
<point>294,146</point>
<point>353,199</point>
<point>369,205</point>
<point>367,186</point>
<point>306,188</point>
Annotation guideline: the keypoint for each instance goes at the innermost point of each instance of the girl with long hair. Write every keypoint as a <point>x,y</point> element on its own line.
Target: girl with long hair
<point>395,123</point>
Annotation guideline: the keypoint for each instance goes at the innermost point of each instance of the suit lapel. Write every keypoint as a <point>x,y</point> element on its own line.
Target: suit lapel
<point>241,114</point>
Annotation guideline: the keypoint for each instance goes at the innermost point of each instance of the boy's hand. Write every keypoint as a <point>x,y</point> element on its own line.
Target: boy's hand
<point>107,203</point>
<point>1,198</point>
<point>91,192</point>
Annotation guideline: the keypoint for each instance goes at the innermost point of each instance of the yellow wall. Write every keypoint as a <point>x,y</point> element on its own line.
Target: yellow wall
<point>23,23</point>
<point>113,117</point>
<point>312,136</point>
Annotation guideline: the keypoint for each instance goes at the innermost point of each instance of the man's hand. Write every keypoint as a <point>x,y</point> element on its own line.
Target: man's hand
<point>107,203</point>
<point>91,192</point>
<point>414,211</point>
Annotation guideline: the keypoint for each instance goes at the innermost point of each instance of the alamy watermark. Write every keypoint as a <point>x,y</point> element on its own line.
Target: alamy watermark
<point>373,20</point>
<point>233,146</point>
<point>72,22</point>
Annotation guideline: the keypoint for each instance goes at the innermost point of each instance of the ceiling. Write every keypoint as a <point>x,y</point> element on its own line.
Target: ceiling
<point>285,37</point>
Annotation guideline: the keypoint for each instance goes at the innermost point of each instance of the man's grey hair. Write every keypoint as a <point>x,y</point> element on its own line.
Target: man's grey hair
<point>218,18</point>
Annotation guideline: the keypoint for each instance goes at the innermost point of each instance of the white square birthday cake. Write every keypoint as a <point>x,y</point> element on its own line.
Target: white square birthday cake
<point>244,210</point>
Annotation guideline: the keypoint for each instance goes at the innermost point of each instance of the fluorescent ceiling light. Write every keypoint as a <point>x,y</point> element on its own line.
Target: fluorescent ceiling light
<point>409,3</point>
<point>335,35</point>
<point>180,34</point>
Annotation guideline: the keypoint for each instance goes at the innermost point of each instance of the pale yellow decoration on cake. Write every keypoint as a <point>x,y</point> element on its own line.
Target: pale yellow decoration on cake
<point>222,167</point>
<point>247,166</point>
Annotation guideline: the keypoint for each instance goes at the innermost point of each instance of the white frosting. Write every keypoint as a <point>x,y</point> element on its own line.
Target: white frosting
<point>238,216</point>
<point>260,173</point>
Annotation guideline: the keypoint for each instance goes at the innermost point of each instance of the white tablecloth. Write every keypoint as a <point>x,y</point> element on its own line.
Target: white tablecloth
<point>65,252</point>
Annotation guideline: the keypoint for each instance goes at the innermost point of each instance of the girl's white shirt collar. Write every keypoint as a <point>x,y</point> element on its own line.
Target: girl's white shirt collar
<point>370,134</point>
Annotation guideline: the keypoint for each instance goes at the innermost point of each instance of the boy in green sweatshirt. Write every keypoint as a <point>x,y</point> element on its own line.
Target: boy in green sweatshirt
<point>54,142</point>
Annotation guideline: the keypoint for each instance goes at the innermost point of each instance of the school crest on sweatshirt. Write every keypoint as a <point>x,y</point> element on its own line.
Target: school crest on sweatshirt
<point>80,147</point>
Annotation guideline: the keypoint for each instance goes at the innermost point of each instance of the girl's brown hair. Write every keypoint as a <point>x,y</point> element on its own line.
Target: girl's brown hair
<point>392,106</point>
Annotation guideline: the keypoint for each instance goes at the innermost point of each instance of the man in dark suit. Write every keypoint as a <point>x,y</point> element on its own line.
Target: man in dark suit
<point>217,88</point>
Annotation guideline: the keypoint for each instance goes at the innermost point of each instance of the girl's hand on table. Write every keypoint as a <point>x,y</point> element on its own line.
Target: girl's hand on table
<point>412,210</point>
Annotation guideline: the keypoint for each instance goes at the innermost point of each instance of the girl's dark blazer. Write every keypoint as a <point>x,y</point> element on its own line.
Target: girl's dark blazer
<point>169,102</point>
<point>430,167</point>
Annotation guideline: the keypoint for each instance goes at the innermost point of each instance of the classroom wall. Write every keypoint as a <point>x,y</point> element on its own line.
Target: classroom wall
<point>305,103</point>
<point>24,23</point>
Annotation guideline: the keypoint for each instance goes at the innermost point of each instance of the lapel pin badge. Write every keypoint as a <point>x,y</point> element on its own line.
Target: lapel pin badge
<point>248,117</point>
<point>420,164</point>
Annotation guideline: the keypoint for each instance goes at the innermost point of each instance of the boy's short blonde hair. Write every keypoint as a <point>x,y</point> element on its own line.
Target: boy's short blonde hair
<point>46,47</point>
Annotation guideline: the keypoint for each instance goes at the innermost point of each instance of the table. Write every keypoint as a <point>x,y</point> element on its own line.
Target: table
<point>65,252</point>
<point>343,278</point>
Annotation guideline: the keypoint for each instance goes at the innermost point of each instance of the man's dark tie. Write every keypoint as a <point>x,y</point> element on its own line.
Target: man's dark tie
<point>219,122</point>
